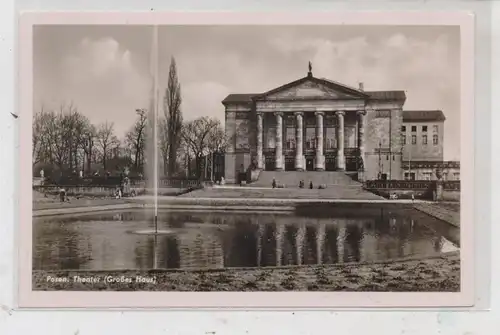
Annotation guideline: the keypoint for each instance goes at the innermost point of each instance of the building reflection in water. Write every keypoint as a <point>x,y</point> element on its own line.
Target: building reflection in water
<point>225,240</point>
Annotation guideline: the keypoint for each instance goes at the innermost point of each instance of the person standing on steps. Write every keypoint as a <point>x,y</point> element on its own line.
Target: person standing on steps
<point>274,183</point>
<point>311,185</point>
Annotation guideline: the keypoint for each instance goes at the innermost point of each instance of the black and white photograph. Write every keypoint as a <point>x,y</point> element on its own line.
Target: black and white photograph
<point>245,158</point>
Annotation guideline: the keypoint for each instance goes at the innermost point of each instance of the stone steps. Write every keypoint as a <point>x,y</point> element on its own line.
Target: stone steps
<point>292,178</point>
<point>331,192</point>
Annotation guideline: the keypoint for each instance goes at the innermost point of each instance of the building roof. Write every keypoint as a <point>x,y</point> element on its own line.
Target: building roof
<point>370,95</point>
<point>386,95</point>
<point>239,98</point>
<point>423,116</point>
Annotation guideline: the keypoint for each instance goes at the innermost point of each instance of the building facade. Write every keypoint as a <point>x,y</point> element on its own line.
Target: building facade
<point>423,146</point>
<point>315,124</point>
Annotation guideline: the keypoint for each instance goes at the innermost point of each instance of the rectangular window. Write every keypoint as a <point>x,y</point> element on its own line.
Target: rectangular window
<point>435,129</point>
<point>403,139</point>
<point>409,176</point>
<point>413,139</point>
<point>427,175</point>
<point>290,138</point>
<point>403,129</point>
<point>424,139</point>
<point>456,176</point>
<point>330,138</point>
<point>434,139</point>
<point>413,129</point>
<point>310,138</point>
<point>424,129</point>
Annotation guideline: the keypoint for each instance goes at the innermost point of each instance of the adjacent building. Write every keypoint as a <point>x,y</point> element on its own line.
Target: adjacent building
<point>316,124</point>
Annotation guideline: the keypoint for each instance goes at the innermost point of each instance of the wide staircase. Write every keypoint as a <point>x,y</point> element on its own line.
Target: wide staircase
<point>292,178</point>
<point>338,186</point>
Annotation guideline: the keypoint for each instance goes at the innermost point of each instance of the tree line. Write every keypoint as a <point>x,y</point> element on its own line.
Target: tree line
<point>66,142</point>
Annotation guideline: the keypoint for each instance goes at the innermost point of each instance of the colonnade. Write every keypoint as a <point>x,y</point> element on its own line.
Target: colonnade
<point>299,138</point>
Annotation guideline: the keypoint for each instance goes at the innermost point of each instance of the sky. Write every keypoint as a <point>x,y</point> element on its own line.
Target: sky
<point>104,70</point>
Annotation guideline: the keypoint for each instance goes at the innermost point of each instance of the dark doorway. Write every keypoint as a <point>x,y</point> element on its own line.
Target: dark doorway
<point>351,164</point>
<point>383,176</point>
<point>309,164</point>
<point>269,163</point>
<point>330,164</point>
<point>289,163</point>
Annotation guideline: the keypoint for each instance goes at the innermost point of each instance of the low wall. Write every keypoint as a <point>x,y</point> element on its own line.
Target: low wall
<point>451,195</point>
<point>109,191</point>
<point>96,191</point>
<point>420,189</point>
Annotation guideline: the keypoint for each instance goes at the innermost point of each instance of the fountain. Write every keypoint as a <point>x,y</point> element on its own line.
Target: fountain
<point>152,162</point>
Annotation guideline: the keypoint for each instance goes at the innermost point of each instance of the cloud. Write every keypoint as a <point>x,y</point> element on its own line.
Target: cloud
<point>102,80</point>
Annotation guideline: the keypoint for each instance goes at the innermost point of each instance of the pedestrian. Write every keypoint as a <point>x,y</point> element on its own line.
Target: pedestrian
<point>274,183</point>
<point>311,185</point>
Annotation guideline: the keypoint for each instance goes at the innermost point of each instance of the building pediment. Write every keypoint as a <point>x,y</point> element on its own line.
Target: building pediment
<point>311,88</point>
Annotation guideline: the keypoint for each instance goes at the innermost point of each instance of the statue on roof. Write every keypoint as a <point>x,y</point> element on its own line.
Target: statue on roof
<point>310,66</point>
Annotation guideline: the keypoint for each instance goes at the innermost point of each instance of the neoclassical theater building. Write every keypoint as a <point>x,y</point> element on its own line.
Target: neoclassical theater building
<point>315,124</point>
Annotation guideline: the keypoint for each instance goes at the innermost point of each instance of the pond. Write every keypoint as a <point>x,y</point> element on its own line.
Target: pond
<point>109,240</point>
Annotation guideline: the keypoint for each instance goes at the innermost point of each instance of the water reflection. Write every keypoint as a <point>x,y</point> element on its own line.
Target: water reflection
<point>209,240</point>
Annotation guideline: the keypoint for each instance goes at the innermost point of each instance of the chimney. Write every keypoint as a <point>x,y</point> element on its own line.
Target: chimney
<point>361,86</point>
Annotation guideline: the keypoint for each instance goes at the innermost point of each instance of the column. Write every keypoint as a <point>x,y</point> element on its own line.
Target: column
<point>280,231</point>
<point>260,234</point>
<point>299,242</point>
<point>340,141</point>
<point>299,139</point>
<point>279,142</point>
<point>340,243</point>
<point>320,240</point>
<point>320,158</point>
<point>361,137</point>
<point>260,129</point>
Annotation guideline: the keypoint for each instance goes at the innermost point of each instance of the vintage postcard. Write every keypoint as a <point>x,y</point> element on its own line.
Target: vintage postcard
<point>273,160</point>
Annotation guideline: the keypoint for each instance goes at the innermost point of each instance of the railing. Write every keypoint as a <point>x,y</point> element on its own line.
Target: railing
<point>351,152</point>
<point>398,184</point>
<point>112,182</point>
<point>431,165</point>
<point>411,184</point>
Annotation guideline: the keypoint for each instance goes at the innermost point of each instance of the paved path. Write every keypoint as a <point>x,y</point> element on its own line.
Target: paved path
<point>194,200</point>
<point>83,209</point>
<point>440,212</point>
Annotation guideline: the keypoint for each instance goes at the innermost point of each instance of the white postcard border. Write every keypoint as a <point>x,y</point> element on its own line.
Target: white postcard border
<point>36,299</point>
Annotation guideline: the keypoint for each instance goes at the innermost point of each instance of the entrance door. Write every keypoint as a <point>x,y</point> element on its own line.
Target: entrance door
<point>309,164</point>
<point>289,163</point>
<point>330,163</point>
<point>269,163</point>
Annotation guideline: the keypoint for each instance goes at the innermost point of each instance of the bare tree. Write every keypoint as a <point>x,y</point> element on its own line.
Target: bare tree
<point>136,139</point>
<point>173,118</point>
<point>88,145</point>
<point>40,142</point>
<point>106,141</point>
<point>202,136</point>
